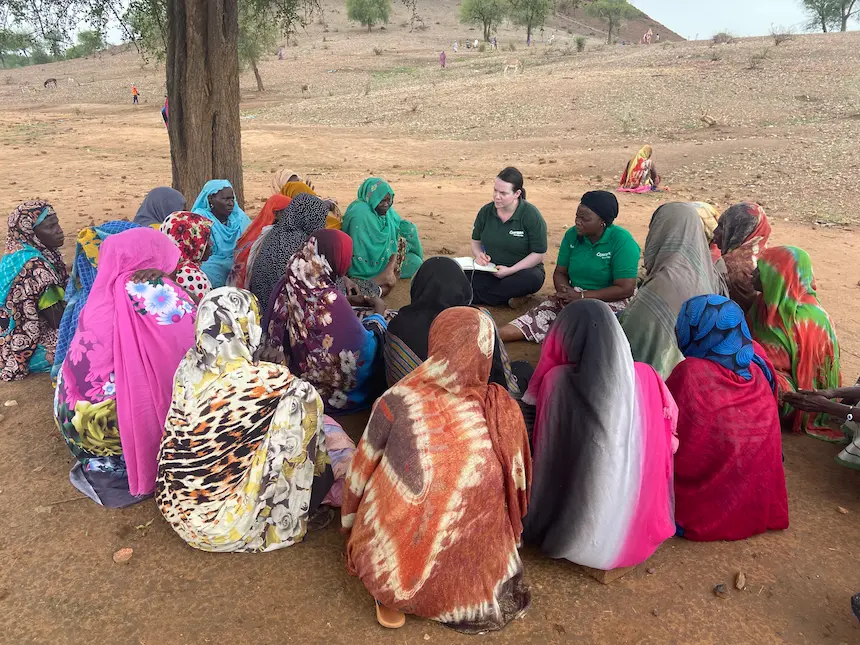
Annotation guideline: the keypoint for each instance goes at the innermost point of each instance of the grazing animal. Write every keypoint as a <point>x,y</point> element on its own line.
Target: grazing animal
<point>51,82</point>
<point>514,64</point>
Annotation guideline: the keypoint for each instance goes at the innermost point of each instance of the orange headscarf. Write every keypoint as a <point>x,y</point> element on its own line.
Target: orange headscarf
<point>243,246</point>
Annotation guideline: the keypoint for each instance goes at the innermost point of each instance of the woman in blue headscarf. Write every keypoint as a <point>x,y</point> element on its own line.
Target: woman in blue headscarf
<point>84,269</point>
<point>217,202</point>
<point>729,480</point>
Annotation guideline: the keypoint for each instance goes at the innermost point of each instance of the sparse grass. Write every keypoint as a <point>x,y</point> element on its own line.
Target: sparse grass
<point>628,123</point>
<point>780,35</point>
<point>716,55</point>
<point>377,51</point>
<point>580,43</point>
<point>723,38</point>
<point>756,60</point>
<point>482,47</point>
<point>511,47</point>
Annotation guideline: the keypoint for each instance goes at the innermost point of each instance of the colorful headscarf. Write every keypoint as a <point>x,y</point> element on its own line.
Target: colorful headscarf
<point>294,188</point>
<point>713,327</point>
<point>283,175</point>
<point>191,233</point>
<point>798,335</point>
<point>27,270</point>
<point>264,221</point>
<point>157,205</point>
<point>637,174</point>
<point>743,234</point>
<point>83,276</point>
<point>305,215</point>
<point>224,236</point>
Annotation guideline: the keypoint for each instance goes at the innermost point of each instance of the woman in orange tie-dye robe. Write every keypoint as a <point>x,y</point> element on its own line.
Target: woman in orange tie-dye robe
<point>439,485</point>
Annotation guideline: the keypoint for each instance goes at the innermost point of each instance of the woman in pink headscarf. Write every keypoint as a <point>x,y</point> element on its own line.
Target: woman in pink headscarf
<point>116,382</point>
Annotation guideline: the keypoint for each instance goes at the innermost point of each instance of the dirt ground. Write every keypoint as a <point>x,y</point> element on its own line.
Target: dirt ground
<point>84,148</point>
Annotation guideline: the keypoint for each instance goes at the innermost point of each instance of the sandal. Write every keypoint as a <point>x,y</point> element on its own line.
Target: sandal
<point>389,618</point>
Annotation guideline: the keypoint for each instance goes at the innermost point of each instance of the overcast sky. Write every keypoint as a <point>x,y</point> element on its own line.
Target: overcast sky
<point>740,17</point>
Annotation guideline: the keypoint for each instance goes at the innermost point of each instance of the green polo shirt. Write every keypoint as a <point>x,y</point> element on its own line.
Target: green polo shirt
<point>509,242</point>
<point>615,256</point>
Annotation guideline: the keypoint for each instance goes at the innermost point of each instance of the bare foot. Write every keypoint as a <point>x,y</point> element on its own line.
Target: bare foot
<point>511,334</point>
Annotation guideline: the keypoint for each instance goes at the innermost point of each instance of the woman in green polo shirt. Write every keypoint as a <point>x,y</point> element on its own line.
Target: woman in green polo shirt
<point>597,260</point>
<point>511,233</point>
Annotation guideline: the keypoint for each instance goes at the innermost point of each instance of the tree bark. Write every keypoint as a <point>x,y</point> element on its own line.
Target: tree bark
<point>257,76</point>
<point>203,89</point>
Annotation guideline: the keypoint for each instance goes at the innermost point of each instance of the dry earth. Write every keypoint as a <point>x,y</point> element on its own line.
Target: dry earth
<point>786,136</point>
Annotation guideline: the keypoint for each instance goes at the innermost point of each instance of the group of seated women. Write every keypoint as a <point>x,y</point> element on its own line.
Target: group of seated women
<point>202,358</point>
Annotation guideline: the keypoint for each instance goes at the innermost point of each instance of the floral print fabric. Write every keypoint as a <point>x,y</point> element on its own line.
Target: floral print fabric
<point>243,443</point>
<point>191,233</point>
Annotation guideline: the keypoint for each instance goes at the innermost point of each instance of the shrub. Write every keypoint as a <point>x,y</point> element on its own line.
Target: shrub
<point>482,47</point>
<point>377,51</point>
<point>723,38</point>
<point>780,35</point>
<point>512,47</point>
<point>580,43</point>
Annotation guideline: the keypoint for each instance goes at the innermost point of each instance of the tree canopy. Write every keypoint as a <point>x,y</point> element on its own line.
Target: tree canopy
<point>530,14</point>
<point>487,13</point>
<point>613,12</point>
<point>831,15</point>
<point>368,12</point>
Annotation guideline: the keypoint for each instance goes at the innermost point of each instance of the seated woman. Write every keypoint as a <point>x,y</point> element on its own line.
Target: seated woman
<point>818,402</point>
<point>192,234</point>
<point>511,233</point>
<point>157,205</point>
<point>32,278</point>
<point>326,343</point>
<point>243,464</point>
<point>603,443</point>
<point>385,246</point>
<point>284,176</point>
<point>597,259</point>
<point>260,226</point>
<point>302,218</point>
<point>113,391</point>
<point>84,268</point>
<point>640,175</point>
<point>729,479</point>
<point>439,486</point>
<point>217,202</point>
<point>679,266</point>
<point>797,334</point>
<point>742,235</point>
<point>438,285</point>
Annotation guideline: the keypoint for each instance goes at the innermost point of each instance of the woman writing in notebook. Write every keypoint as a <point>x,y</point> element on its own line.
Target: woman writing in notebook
<point>510,233</point>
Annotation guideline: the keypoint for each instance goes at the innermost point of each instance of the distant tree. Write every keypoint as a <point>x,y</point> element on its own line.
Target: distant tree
<point>530,13</point>
<point>613,12</point>
<point>368,12</point>
<point>89,43</point>
<point>146,25</point>
<point>847,9</point>
<point>258,34</point>
<point>566,6</point>
<point>55,41</point>
<point>830,15</point>
<point>15,44</point>
<point>487,13</point>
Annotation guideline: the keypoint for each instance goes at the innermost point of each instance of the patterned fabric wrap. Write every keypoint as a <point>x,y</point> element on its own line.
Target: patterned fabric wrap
<point>191,233</point>
<point>679,266</point>
<point>243,443</point>
<point>84,268</point>
<point>376,238</point>
<point>713,327</point>
<point>743,232</point>
<point>797,334</point>
<point>224,236</point>
<point>28,269</point>
<point>439,485</point>
<point>637,174</point>
<point>326,343</point>
<point>265,219</point>
<point>603,442</point>
<point>113,391</point>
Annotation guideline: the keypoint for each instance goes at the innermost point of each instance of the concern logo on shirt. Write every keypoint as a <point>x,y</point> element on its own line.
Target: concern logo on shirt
<point>517,233</point>
<point>605,256</point>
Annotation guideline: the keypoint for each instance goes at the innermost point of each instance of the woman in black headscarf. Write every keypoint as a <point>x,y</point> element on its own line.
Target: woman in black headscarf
<point>158,204</point>
<point>598,260</point>
<point>438,285</point>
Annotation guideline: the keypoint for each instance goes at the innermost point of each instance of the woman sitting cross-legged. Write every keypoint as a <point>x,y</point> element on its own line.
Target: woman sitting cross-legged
<point>243,464</point>
<point>603,443</point>
<point>788,320</point>
<point>742,235</point>
<point>316,328</point>
<point>217,202</point>
<point>385,246</point>
<point>510,233</point>
<point>439,285</point>
<point>438,487</point>
<point>597,260</point>
<point>729,479</point>
<point>679,266</point>
<point>114,388</point>
<point>32,278</point>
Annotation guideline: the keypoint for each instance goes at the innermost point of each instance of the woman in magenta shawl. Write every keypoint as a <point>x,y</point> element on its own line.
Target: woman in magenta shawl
<point>116,382</point>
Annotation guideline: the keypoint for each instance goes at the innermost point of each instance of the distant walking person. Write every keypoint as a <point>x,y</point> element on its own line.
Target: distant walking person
<point>456,46</point>
<point>135,95</point>
<point>164,112</point>
<point>443,59</point>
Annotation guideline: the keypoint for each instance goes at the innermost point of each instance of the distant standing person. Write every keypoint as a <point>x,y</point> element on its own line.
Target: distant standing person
<point>456,46</point>
<point>475,44</point>
<point>135,95</point>
<point>495,43</point>
<point>657,38</point>
<point>164,112</point>
<point>442,59</point>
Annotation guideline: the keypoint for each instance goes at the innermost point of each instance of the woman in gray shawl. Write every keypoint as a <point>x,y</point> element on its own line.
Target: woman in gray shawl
<point>158,204</point>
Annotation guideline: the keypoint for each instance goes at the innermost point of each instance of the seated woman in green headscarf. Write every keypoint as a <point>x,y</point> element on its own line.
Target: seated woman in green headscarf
<point>385,246</point>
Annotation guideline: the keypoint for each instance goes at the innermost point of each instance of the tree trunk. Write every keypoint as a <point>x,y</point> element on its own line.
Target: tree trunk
<point>487,31</point>
<point>609,34</point>
<point>203,89</point>
<point>257,76</point>
<point>529,33</point>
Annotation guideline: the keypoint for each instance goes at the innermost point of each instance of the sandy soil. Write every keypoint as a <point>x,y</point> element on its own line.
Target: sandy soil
<point>85,149</point>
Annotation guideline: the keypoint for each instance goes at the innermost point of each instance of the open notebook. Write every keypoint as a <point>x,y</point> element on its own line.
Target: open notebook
<point>468,264</point>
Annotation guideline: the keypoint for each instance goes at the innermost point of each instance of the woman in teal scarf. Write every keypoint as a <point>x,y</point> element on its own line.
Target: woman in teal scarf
<point>217,202</point>
<point>383,243</point>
